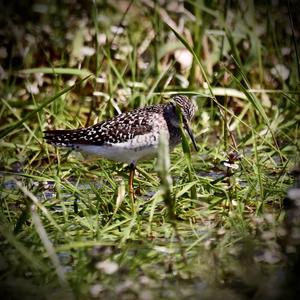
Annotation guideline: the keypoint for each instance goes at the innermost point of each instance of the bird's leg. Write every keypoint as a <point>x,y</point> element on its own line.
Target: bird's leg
<point>131,176</point>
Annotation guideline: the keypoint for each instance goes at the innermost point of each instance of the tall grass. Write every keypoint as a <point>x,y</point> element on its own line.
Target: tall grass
<point>201,222</point>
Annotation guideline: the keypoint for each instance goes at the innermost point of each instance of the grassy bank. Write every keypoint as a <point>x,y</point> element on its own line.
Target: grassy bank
<point>223,226</point>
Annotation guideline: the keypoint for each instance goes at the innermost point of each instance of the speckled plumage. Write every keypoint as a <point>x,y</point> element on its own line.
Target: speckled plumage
<point>130,136</point>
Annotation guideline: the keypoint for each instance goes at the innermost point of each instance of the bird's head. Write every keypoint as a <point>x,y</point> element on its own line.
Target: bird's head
<point>186,105</point>
<point>188,111</point>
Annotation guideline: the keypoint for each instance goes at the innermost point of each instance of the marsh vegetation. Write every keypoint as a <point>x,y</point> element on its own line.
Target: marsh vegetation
<point>221,223</point>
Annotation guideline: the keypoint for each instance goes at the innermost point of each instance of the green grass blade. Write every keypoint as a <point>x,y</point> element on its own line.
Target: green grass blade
<point>26,253</point>
<point>58,71</point>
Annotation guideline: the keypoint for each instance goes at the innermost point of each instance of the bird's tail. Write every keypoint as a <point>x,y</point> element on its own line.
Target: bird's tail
<point>64,138</point>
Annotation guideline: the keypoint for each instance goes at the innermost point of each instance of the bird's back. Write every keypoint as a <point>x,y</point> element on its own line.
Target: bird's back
<point>120,129</point>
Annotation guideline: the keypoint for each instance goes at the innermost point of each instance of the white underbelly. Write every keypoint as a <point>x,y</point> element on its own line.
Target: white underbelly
<point>119,154</point>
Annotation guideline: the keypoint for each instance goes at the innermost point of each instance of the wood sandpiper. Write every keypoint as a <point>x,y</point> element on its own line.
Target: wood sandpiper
<point>130,136</point>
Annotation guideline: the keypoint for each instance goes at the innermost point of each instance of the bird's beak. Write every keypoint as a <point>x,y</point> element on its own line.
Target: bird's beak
<point>189,131</point>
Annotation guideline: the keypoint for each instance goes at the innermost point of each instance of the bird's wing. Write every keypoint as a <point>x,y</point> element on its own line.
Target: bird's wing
<point>117,130</point>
